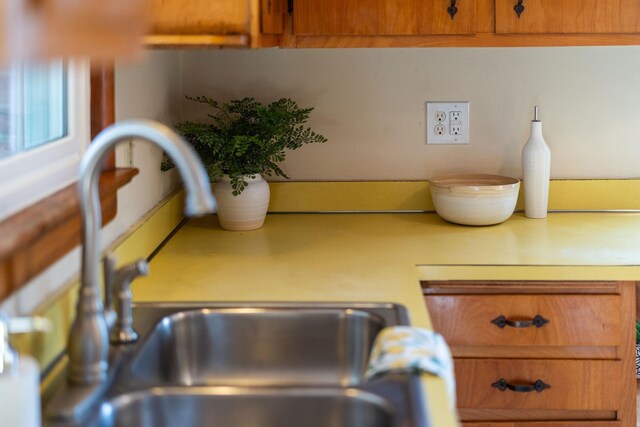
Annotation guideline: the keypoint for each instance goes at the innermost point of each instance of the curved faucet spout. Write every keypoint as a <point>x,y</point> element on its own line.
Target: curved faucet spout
<point>89,338</point>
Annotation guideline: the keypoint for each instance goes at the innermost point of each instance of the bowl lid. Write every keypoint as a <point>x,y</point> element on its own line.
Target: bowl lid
<point>472,180</point>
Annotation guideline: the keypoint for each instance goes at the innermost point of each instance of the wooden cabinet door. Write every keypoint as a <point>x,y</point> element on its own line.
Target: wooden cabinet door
<point>383,17</point>
<point>232,23</point>
<point>200,17</point>
<point>568,16</point>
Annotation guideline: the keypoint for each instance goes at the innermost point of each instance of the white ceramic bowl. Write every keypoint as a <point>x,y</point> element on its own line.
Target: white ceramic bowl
<point>474,199</point>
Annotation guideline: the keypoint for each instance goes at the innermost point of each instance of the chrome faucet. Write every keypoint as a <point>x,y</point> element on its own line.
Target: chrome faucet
<point>89,337</point>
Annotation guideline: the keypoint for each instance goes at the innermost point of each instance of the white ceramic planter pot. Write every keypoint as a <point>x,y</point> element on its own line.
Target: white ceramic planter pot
<point>246,211</point>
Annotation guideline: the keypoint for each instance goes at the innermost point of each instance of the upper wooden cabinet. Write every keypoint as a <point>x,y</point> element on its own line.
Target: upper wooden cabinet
<point>384,17</point>
<point>233,23</point>
<point>477,23</point>
<point>41,30</point>
<point>567,16</point>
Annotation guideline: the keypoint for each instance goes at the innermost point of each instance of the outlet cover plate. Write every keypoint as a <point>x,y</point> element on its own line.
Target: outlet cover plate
<point>456,131</point>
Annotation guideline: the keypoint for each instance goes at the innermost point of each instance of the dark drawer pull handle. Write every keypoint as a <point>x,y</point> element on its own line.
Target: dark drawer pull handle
<point>452,9</point>
<point>538,386</point>
<point>537,321</point>
<point>519,8</point>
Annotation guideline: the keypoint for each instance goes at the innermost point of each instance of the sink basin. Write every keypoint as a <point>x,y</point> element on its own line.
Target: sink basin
<point>237,365</point>
<point>229,407</point>
<point>258,346</point>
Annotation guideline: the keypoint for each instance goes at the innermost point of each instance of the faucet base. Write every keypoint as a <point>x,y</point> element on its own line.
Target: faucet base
<point>74,403</point>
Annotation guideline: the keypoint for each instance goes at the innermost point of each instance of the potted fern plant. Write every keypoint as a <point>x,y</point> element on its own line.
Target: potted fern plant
<point>244,142</point>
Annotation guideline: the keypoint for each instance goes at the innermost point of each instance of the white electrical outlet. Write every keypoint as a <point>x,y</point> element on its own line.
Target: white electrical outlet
<point>448,122</point>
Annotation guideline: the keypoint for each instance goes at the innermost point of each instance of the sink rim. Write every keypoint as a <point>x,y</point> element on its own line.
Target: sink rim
<point>192,312</point>
<point>400,312</point>
<point>164,317</point>
<point>71,405</point>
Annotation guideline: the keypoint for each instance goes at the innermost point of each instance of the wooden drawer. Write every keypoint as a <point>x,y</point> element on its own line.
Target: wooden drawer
<point>573,320</point>
<point>543,424</point>
<point>589,385</point>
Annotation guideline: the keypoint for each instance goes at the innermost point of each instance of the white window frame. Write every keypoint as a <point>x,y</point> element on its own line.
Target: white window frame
<point>32,175</point>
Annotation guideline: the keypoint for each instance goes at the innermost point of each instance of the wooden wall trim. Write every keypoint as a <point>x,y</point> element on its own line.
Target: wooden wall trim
<point>36,237</point>
<point>103,111</point>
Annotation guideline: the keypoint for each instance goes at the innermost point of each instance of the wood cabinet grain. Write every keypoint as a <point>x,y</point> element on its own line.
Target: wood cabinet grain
<point>544,424</point>
<point>383,17</point>
<point>588,385</point>
<point>585,352</point>
<point>568,16</point>
<point>221,23</point>
<point>477,23</point>
<point>572,320</point>
<point>392,23</point>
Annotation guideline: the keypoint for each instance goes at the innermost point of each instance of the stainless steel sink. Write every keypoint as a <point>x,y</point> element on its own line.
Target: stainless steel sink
<point>258,347</point>
<point>229,407</point>
<point>240,365</point>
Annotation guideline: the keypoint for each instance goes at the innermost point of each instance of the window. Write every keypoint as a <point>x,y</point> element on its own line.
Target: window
<point>44,128</point>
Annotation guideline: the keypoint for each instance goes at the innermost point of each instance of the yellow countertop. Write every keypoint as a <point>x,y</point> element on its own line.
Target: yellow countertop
<point>382,257</point>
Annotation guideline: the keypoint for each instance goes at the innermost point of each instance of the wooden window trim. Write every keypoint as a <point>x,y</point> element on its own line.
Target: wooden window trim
<point>41,234</point>
<point>103,110</point>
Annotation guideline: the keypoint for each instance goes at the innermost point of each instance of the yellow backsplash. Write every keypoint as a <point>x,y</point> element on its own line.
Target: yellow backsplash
<point>292,196</point>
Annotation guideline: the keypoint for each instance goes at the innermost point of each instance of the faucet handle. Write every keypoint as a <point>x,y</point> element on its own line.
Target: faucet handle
<point>123,332</point>
<point>17,325</point>
<point>25,325</point>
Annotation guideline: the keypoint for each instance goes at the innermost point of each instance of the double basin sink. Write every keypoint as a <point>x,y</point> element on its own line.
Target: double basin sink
<point>257,365</point>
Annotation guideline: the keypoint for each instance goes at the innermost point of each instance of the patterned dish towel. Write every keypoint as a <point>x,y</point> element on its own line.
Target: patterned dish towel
<point>637,360</point>
<point>405,349</point>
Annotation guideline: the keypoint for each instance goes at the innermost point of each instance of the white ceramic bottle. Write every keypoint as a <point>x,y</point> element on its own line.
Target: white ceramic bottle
<point>20,395</point>
<point>536,168</point>
<point>19,378</point>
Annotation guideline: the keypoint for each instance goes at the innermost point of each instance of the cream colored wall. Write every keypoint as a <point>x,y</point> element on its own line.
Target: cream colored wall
<point>151,89</point>
<point>370,104</point>
<point>148,89</point>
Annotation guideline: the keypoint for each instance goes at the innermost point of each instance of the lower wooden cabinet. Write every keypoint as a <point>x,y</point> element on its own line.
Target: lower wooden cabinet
<point>544,424</point>
<point>539,354</point>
